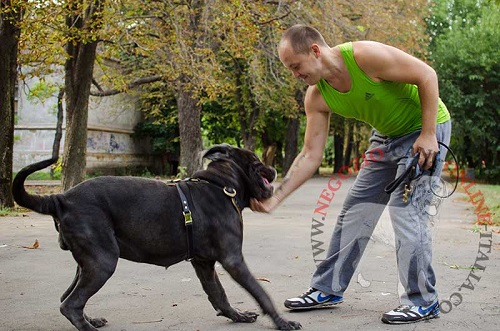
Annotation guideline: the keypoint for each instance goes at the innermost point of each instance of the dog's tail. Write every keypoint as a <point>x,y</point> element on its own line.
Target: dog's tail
<point>39,203</point>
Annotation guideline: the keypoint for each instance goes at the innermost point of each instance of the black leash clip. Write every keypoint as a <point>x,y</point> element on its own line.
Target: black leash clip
<point>411,173</point>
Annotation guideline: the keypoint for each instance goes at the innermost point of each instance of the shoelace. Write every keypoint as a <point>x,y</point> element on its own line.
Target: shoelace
<point>311,290</point>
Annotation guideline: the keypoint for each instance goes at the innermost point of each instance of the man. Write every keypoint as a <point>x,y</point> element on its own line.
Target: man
<point>397,94</point>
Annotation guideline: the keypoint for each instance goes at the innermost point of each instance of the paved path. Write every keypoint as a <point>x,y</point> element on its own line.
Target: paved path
<point>277,248</point>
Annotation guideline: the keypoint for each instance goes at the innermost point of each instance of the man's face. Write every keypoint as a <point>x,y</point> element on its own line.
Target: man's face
<point>303,66</point>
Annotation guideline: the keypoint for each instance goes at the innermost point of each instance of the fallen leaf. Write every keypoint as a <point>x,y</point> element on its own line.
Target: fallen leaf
<point>263,279</point>
<point>35,245</point>
<point>146,322</point>
<point>457,267</point>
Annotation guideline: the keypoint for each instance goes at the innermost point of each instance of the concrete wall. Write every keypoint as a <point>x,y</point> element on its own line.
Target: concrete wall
<point>109,145</point>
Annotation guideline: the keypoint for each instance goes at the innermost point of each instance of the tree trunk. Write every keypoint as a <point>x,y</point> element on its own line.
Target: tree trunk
<point>9,41</point>
<point>269,155</point>
<point>291,143</point>
<point>59,130</point>
<point>350,143</point>
<point>292,132</point>
<point>338,142</point>
<point>338,158</point>
<point>79,67</point>
<point>60,117</point>
<point>189,129</point>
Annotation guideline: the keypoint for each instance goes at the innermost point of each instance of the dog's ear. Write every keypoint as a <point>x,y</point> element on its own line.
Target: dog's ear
<point>217,152</point>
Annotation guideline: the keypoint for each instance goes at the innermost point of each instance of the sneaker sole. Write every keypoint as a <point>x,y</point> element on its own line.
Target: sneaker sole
<point>318,306</point>
<point>426,318</point>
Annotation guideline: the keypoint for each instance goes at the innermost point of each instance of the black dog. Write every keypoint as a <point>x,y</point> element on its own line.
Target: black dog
<point>103,219</point>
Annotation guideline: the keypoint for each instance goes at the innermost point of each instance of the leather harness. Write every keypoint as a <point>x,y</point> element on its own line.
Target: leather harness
<point>186,211</point>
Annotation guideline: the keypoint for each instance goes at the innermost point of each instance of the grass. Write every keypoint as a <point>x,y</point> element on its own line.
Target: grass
<point>491,194</point>
<point>12,212</point>
<point>40,175</point>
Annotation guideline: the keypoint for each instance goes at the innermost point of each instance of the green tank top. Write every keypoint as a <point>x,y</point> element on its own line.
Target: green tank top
<point>392,108</point>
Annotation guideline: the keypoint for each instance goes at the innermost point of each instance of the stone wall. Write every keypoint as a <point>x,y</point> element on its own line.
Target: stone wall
<point>110,124</point>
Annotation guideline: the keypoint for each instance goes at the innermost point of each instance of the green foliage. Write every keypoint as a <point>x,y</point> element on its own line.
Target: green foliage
<point>56,170</point>
<point>220,123</point>
<point>42,90</point>
<point>163,138</point>
<point>160,124</point>
<point>449,14</point>
<point>182,173</point>
<point>467,59</point>
<point>42,39</point>
<point>226,49</point>
<point>160,127</point>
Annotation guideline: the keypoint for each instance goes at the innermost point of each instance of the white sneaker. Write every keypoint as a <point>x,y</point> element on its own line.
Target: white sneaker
<point>313,299</point>
<point>411,314</point>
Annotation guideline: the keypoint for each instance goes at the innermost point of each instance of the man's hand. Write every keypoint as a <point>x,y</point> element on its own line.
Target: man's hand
<point>427,146</point>
<point>264,206</point>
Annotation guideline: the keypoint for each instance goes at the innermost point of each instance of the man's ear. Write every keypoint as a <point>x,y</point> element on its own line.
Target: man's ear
<point>316,50</point>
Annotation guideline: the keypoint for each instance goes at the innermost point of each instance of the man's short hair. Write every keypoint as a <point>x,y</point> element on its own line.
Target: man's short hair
<point>301,37</point>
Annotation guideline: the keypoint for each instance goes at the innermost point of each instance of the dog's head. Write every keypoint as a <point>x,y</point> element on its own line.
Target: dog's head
<point>239,165</point>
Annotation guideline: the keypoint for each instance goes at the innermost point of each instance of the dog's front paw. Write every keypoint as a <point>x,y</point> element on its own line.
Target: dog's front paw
<point>289,325</point>
<point>239,316</point>
<point>245,317</point>
<point>96,322</point>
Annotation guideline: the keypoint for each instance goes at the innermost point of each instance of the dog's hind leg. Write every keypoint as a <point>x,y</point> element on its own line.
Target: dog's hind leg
<point>96,322</point>
<point>72,286</point>
<point>95,268</point>
<point>213,288</point>
<point>238,269</point>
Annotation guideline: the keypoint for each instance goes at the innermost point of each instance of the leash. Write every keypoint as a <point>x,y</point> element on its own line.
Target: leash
<point>413,172</point>
<point>186,211</point>
<point>457,176</point>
